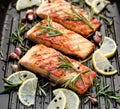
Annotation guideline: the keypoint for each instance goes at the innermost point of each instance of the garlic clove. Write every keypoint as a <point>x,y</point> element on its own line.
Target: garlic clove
<point>13,56</point>
<point>30,15</point>
<point>97,38</point>
<point>93,100</point>
<point>17,51</point>
<point>14,67</point>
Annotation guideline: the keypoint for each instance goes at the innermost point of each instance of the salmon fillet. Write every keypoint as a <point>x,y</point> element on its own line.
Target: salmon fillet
<point>68,42</point>
<point>46,62</point>
<point>60,11</point>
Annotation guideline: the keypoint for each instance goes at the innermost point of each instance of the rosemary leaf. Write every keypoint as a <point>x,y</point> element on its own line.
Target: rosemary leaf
<point>65,62</point>
<point>81,17</point>
<point>75,79</point>
<point>91,13</point>
<point>49,29</point>
<point>105,20</point>
<point>82,2</point>
<point>9,86</point>
<point>115,97</point>
<point>41,90</point>
<point>66,83</point>
<point>16,36</point>
<point>87,59</point>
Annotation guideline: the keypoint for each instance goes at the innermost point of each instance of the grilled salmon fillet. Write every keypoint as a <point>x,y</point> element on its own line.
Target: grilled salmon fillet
<point>68,42</point>
<point>60,11</point>
<point>55,66</point>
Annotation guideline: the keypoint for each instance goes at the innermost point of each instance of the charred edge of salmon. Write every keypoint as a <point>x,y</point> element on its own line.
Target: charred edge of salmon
<point>44,61</point>
<point>59,16</point>
<point>63,42</point>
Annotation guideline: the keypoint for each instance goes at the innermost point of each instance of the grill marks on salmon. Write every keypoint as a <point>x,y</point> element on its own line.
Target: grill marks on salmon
<point>45,61</point>
<point>68,42</point>
<point>57,11</point>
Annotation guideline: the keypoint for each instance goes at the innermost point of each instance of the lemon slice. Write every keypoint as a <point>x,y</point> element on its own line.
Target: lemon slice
<point>72,98</point>
<point>102,64</point>
<point>59,102</point>
<point>108,47</point>
<point>27,91</point>
<point>99,5</point>
<point>22,4</point>
<point>89,2</point>
<point>20,76</point>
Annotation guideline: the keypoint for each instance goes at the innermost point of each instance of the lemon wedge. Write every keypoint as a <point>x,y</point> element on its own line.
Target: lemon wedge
<point>108,47</point>
<point>58,102</point>
<point>102,64</point>
<point>20,76</point>
<point>72,98</point>
<point>99,5</point>
<point>27,91</point>
<point>89,2</point>
<point>22,4</point>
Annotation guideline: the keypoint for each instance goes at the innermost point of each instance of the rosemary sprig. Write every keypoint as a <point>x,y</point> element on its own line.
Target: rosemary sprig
<point>67,82</point>
<point>105,91</point>
<point>105,20</point>
<point>16,36</point>
<point>82,3</point>
<point>41,90</point>
<point>79,16</point>
<point>91,13</point>
<point>9,86</point>
<point>65,63</point>
<point>49,29</point>
<point>73,80</point>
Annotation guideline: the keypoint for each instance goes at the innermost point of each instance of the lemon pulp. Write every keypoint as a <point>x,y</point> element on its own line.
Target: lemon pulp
<point>72,98</point>
<point>58,102</point>
<point>102,64</point>
<point>27,91</point>
<point>108,47</point>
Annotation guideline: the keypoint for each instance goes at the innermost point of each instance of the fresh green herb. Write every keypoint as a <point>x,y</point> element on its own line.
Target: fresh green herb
<point>49,29</point>
<point>82,3</point>
<point>67,82</point>
<point>87,59</point>
<point>76,78</point>
<point>79,16</point>
<point>41,90</point>
<point>105,20</point>
<point>16,36</point>
<point>73,79</point>
<point>105,91</point>
<point>91,13</point>
<point>65,63</point>
<point>9,86</point>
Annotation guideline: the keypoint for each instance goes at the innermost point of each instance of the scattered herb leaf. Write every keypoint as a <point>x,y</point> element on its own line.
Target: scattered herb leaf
<point>66,63</point>
<point>79,16</point>
<point>10,86</point>
<point>105,20</point>
<point>16,36</point>
<point>41,90</point>
<point>49,29</point>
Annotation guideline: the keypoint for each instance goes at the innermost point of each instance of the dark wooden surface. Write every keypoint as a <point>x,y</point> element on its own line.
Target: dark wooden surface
<point>10,100</point>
